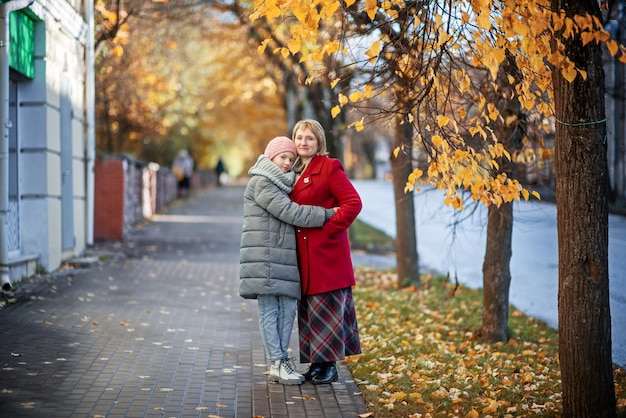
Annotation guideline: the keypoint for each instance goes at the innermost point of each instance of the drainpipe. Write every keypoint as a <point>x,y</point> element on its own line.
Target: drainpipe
<point>5,11</point>
<point>90,86</point>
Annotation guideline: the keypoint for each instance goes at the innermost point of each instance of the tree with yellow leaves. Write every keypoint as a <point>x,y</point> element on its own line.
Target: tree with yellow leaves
<point>554,44</point>
<point>185,84</point>
<point>307,91</point>
<point>582,214</point>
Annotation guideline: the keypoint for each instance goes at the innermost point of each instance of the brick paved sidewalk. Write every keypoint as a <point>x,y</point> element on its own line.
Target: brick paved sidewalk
<point>154,329</point>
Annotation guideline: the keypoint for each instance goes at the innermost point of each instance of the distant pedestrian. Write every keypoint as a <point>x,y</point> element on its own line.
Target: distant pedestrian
<point>183,169</point>
<point>220,172</point>
<point>327,321</point>
<point>268,261</point>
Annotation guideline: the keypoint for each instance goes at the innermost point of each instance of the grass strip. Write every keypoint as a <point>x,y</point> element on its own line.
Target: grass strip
<point>421,357</point>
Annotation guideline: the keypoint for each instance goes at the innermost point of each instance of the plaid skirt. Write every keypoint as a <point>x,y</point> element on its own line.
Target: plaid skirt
<point>328,329</point>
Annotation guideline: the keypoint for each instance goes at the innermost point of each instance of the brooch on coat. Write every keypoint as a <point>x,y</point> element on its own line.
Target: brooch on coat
<point>306,180</point>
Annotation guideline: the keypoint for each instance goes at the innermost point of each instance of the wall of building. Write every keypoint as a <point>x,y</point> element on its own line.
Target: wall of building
<point>127,192</point>
<point>52,141</point>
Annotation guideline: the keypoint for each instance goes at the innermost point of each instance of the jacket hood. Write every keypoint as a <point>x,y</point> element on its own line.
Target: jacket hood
<point>266,168</point>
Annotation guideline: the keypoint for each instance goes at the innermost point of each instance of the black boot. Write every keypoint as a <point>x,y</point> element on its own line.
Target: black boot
<point>328,374</point>
<point>314,369</point>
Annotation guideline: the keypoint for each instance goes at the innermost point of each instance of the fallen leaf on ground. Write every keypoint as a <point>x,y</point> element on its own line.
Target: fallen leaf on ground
<point>304,398</point>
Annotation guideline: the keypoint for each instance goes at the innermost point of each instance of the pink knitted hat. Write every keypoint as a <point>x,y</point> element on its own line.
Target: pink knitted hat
<point>278,145</point>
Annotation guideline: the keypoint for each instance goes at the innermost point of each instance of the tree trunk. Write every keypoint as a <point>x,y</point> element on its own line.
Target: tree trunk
<point>498,252</point>
<point>321,98</point>
<point>497,273</point>
<point>582,225</point>
<point>293,104</point>
<point>406,235</point>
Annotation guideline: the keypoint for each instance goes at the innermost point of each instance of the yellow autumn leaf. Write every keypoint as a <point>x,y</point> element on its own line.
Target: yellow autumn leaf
<point>569,74</point>
<point>343,100</point>
<point>272,12</point>
<point>415,396</point>
<point>263,45</point>
<point>331,47</point>
<point>586,37</point>
<point>483,20</point>
<point>398,396</point>
<point>545,153</point>
<point>374,51</point>
<point>359,125</point>
<point>477,130</point>
<point>613,47</point>
<point>455,202</point>
<point>472,414</point>
<point>355,96</point>
<point>392,13</point>
<point>329,9</point>
<point>335,111</point>
<point>313,56</point>
<point>118,51</point>
<point>491,408</point>
<point>440,393</point>
<point>525,194</point>
<point>602,36</point>
<point>371,7</point>
<point>294,45</point>
<point>520,27</point>
<point>369,91</point>
<point>493,111</point>
<point>415,175</point>
<point>510,120</point>
<point>442,120</point>
<point>301,11</point>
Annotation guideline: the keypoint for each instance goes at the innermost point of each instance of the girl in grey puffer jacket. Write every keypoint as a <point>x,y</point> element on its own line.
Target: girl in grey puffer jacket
<point>268,262</point>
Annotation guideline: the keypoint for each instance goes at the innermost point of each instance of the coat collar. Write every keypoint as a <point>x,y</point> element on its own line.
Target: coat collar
<point>314,168</point>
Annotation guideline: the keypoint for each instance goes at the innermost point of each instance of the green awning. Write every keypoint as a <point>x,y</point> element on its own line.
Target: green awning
<point>22,44</point>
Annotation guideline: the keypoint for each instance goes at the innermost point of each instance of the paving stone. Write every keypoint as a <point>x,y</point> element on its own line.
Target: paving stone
<point>154,328</point>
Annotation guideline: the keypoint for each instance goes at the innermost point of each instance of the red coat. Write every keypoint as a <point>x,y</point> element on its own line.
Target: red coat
<point>324,253</point>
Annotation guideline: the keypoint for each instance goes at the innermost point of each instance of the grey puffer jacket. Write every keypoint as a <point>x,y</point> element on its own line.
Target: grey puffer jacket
<point>268,260</point>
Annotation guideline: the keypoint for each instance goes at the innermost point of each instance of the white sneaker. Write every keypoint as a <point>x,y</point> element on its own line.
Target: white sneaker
<point>274,375</point>
<point>283,371</point>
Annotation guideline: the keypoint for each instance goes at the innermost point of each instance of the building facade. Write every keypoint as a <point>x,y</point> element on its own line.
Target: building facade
<point>47,151</point>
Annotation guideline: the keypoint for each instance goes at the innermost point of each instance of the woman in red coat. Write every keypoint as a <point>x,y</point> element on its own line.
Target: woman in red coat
<point>326,316</point>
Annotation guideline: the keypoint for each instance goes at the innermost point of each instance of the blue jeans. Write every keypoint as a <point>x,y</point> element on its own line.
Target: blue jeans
<point>276,317</point>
